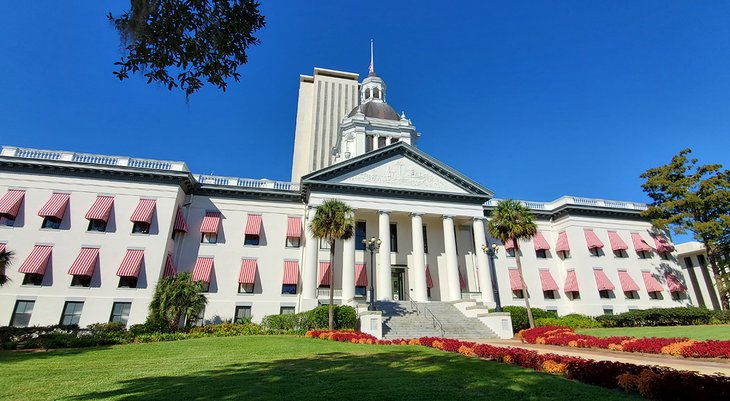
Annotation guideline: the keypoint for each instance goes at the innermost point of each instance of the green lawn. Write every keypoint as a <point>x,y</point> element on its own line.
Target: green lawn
<point>716,332</point>
<point>280,368</point>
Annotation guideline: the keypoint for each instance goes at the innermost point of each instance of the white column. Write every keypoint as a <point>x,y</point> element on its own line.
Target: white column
<point>384,291</point>
<point>420,293</point>
<point>452,266</point>
<point>485,278</point>
<point>311,250</point>
<point>348,270</point>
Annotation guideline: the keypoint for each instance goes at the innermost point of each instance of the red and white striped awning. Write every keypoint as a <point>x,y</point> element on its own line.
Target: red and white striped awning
<point>211,223</point>
<point>85,263</point>
<point>562,244</point>
<point>170,270</point>
<point>253,226</point>
<point>514,280</point>
<point>324,273</point>
<point>652,285</point>
<point>291,272</point>
<point>144,210</point>
<point>180,223</point>
<point>627,283</point>
<point>429,280</point>
<point>10,202</point>
<point>203,269</point>
<point>571,282</point>
<point>602,281</point>
<point>674,284</point>
<point>55,207</point>
<point>131,264</point>
<point>617,244</point>
<point>509,244</point>
<point>2,247</point>
<point>248,271</point>
<point>639,243</point>
<point>592,239</point>
<point>662,244</point>
<point>547,281</point>
<point>37,261</point>
<point>101,209</point>
<point>361,275</point>
<point>294,227</point>
<point>462,282</point>
<point>539,242</point>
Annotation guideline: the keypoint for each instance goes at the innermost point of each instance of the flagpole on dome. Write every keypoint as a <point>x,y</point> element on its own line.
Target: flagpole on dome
<point>371,69</point>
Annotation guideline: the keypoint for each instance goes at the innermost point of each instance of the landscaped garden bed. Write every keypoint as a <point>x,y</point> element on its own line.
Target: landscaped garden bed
<point>652,382</point>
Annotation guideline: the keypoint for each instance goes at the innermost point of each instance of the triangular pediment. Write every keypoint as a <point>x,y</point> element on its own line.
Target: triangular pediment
<point>398,168</point>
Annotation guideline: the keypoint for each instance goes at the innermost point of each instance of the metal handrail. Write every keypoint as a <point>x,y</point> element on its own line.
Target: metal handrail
<point>436,322</point>
<point>414,305</point>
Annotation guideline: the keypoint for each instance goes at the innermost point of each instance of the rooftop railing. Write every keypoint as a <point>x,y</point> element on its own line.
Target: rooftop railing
<point>575,200</point>
<point>248,182</point>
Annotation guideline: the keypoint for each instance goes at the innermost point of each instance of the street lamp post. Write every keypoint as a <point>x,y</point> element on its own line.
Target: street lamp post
<point>372,245</point>
<point>492,252</point>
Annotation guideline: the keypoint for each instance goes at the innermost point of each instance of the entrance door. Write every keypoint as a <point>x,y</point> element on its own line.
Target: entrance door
<point>397,279</point>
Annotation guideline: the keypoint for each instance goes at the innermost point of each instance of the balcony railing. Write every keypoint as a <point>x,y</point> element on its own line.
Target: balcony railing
<point>248,182</point>
<point>575,200</point>
<point>89,158</point>
<point>324,293</point>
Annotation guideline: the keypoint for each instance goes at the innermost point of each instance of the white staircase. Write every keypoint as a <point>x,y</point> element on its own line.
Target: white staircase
<point>407,319</point>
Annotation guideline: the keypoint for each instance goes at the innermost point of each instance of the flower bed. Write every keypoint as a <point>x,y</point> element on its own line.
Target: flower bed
<point>651,382</point>
<point>565,336</point>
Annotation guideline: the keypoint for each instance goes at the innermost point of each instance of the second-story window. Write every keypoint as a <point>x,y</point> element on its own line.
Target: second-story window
<point>541,254</point>
<point>393,237</point>
<point>141,227</point>
<point>360,235</point>
<point>51,223</point>
<point>97,225</point>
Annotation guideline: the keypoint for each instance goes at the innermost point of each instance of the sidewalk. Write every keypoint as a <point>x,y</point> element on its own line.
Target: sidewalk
<point>693,364</point>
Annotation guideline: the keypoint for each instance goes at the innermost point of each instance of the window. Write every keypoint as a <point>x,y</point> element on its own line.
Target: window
<point>360,291</point>
<point>51,223</point>
<point>607,311</point>
<point>359,235</point>
<point>382,141</point>
<point>33,279</point>
<point>245,288</point>
<point>425,239</point>
<point>376,93</point>
<point>140,227</point>
<point>293,242</point>
<point>620,253</point>
<point>510,252</point>
<point>565,254</point>
<point>541,254</point>
<point>21,314</point>
<point>120,312</point>
<point>251,239</point>
<point>71,313</point>
<point>208,238</point>
<point>369,143</point>
<point>81,281</point>
<point>676,295</point>
<point>631,294</point>
<point>519,294</point>
<point>644,255</point>
<point>7,220</point>
<point>127,282</point>
<point>243,314</point>
<point>97,225</point>
<point>289,289</point>
<point>428,292</point>
<point>604,293</point>
<point>394,140</point>
<point>596,252</point>
<point>324,244</point>
<point>664,255</point>
<point>574,295</point>
<point>286,310</point>
<point>393,237</point>
<point>549,294</point>
<point>206,286</point>
<point>654,295</point>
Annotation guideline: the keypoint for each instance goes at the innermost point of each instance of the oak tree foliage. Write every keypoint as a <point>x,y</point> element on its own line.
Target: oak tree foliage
<point>186,43</point>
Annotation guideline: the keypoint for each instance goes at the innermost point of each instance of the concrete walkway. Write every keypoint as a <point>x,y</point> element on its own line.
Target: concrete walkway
<point>705,366</point>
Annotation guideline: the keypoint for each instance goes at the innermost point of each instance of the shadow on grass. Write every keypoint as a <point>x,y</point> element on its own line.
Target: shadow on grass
<point>405,374</point>
<point>14,356</point>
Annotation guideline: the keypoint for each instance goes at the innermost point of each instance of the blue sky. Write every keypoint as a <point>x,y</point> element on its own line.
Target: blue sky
<point>532,99</point>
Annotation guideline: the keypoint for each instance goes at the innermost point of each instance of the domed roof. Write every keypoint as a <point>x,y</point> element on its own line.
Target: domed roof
<point>375,109</point>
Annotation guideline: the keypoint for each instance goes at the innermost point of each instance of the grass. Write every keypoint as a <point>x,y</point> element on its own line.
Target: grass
<point>278,368</point>
<point>714,332</point>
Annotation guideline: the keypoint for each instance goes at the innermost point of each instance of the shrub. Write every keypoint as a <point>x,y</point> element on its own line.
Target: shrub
<point>299,321</point>
<point>658,317</point>
<point>319,317</point>
<point>573,320</point>
<point>345,318</point>
<point>519,316</point>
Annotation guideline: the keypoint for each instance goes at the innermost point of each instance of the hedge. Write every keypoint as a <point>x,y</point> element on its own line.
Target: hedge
<point>659,317</point>
<point>519,316</point>
<point>573,320</point>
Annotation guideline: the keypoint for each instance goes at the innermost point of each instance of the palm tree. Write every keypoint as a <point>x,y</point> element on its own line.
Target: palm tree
<point>6,258</point>
<point>512,221</point>
<point>333,221</point>
<point>174,297</point>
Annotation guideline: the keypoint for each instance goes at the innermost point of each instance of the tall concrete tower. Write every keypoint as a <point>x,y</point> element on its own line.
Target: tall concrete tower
<point>325,98</point>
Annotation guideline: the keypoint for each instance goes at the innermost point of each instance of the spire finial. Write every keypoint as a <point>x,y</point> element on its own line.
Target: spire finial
<point>371,69</point>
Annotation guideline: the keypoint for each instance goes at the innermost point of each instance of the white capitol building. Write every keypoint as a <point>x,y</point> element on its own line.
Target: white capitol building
<point>92,234</point>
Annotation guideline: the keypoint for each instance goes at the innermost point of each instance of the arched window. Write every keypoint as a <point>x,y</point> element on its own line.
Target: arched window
<point>367,93</point>
<point>376,93</point>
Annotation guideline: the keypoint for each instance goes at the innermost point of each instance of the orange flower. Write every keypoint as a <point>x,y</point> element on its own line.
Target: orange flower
<point>554,368</point>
